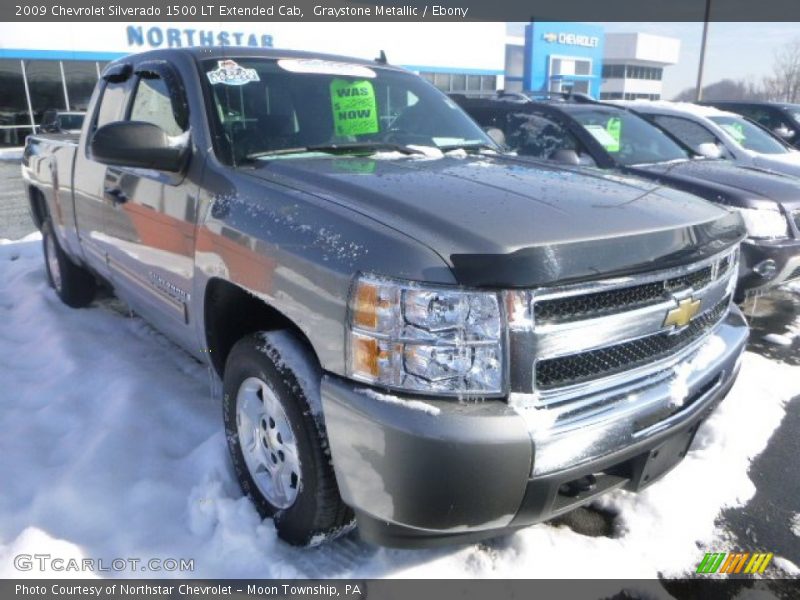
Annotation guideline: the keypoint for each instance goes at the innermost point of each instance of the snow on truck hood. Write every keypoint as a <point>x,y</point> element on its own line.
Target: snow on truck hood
<point>478,208</point>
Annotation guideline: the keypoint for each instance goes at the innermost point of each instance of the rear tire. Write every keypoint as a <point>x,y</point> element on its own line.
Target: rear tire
<point>74,285</point>
<point>277,443</point>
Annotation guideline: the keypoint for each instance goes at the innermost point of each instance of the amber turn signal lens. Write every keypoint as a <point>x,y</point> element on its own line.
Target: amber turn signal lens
<point>365,306</point>
<point>365,354</point>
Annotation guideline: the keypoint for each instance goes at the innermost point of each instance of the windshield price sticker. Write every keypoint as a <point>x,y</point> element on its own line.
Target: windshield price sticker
<point>355,111</point>
<point>229,72</point>
<point>614,129</point>
<point>604,137</point>
<point>735,130</point>
<point>325,67</point>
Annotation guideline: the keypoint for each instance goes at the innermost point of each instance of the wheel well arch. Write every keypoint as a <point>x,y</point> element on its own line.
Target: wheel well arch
<point>38,205</point>
<point>230,313</point>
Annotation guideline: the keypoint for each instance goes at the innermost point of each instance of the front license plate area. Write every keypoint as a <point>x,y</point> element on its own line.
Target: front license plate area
<point>661,459</point>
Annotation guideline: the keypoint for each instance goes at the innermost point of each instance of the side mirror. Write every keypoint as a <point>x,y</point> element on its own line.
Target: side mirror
<point>138,144</point>
<point>497,135</point>
<point>566,156</point>
<point>783,132</point>
<point>709,150</point>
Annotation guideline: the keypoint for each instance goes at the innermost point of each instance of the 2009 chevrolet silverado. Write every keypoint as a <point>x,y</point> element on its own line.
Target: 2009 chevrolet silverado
<point>414,331</point>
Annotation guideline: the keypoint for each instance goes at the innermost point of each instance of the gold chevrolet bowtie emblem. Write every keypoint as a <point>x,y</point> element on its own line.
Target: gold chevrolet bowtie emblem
<point>683,313</point>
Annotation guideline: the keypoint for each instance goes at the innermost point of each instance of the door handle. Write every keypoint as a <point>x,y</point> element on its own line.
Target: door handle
<point>117,195</point>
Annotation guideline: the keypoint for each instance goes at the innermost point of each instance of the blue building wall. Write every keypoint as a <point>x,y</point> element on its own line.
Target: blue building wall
<point>547,39</point>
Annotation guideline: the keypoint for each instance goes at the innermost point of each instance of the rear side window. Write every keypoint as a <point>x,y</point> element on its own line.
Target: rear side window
<point>111,104</point>
<point>153,103</point>
<point>690,133</point>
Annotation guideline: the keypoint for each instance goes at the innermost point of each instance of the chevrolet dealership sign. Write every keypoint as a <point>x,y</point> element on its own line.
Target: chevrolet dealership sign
<point>571,39</point>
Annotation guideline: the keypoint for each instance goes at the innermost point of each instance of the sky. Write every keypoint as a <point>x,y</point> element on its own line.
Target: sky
<point>734,51</point>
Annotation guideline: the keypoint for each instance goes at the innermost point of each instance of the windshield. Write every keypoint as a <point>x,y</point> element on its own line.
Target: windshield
<point>629,139</point>
<point>750,136</point>
<point>284,108</point>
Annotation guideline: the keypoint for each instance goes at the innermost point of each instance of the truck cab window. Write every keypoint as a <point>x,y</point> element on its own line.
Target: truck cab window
<point>153,104</point>
<point>690,133</point>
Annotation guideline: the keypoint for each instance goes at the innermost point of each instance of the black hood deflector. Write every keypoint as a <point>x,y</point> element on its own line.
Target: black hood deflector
<point>598,259</point>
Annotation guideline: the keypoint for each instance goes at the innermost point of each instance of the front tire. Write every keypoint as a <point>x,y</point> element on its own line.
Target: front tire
<point>75,286</point>
<point>277,443</point>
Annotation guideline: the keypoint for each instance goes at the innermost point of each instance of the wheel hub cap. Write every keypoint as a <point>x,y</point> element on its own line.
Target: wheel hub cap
<point>268,443</point>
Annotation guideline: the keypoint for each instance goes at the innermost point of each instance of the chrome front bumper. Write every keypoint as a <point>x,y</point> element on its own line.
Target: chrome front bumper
<point>421,477</point>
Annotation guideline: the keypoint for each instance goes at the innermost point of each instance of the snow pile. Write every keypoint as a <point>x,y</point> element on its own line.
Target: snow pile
<point>796,525</point>
<point>34,236</point>
<point>114,447</point>
<point>788,337</point>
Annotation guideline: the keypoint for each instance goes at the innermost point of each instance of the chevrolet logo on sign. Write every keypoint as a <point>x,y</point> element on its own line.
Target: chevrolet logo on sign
<point>681,315</point>
<point>550,37</point>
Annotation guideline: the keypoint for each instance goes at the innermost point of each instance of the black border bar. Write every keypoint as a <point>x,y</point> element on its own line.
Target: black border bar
<point>399,10</point>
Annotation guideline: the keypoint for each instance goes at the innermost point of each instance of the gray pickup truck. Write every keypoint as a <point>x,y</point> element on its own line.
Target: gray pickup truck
<point>414,331</point>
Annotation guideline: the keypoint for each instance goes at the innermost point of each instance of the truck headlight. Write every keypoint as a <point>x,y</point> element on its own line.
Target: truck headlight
<point>764,223</point>
<point>420,338</point>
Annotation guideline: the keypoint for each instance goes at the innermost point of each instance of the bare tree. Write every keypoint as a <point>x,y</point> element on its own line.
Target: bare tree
<point>726,89</point>
<point>784,84</point>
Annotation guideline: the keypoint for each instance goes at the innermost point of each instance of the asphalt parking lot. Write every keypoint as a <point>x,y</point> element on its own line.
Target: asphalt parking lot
<point>762,523</point>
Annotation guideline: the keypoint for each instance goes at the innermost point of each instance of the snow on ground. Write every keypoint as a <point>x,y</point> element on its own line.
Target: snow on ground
<point>11,154</point>
<point>113,447</point>
<point>787,338</point>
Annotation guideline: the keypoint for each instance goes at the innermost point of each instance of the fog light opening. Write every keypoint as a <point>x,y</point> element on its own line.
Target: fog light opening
<point>578,486</point>
<point>766,268</point>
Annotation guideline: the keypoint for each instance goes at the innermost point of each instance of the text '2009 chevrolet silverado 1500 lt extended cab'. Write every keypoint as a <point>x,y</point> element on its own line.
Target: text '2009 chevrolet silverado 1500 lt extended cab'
<point>414,332</point>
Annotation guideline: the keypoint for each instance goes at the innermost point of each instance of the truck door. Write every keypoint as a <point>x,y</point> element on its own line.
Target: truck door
<point>89,176</point>
<point>150,230</point>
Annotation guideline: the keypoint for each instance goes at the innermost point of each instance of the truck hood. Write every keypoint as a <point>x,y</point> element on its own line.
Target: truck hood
<point>502,221</point>
<point>727,183</point>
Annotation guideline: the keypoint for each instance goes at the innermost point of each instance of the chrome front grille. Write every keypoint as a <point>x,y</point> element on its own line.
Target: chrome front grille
<point>597,334</point>
<point>586,306</point>
<point>585,366</point>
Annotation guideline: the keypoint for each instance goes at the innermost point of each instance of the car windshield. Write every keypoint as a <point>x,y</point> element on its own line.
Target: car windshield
<point>749,136</point>
<point>628,138</point>
<point>288,108</point>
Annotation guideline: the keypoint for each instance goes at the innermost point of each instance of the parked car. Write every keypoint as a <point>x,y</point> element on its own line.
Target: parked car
<point>397,311</point>
<point>782,119</point>
<point>579,131</point>
<point>718,134</point>
<point>60,121</point>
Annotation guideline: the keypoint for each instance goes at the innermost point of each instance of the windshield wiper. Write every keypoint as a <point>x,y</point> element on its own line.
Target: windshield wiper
<point>363,146</point>
<point>340,149</point>
<point>469,147</point>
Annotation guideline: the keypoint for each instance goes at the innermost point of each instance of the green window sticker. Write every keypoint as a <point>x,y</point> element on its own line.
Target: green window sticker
<point>736,131</point>
<point>355,111</point>
<point>602,135</point>
<point>614,129</point>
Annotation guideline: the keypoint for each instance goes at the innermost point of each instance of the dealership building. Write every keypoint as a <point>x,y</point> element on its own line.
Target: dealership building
<point>55,65</point>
